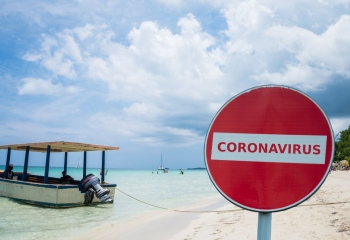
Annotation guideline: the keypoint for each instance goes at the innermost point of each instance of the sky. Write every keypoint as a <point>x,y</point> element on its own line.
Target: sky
<point>149,76</point>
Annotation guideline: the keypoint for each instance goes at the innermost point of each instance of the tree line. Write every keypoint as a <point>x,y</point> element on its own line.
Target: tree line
<point>342,146</point>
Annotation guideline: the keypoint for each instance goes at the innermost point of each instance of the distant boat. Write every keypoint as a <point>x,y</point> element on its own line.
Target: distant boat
<point>161,168</point>
<point>78,163</point>
<point>197,168</point>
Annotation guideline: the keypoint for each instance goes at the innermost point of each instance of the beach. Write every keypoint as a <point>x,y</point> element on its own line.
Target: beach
<point>203,212</point>
<point>326,215</point>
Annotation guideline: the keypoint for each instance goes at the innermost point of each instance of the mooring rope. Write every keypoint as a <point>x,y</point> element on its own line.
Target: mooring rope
<point>175,210</point>
<point>233,210</point>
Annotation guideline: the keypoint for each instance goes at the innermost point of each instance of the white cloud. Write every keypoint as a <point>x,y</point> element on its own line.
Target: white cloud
<point>300,76</point>
<point>48,43</point>
<point>340,124</point>
<point>43,87</point>
<point>86,31</point>
<point>142,110</point>
<point>59,65</point>
<point>132,129</point>
<point>328,51</point>
<point>38,131</point>
<point>60,55</point>
<point>160,64</point>
<point>187,73</point>
<point>215,107</point>
<point>261,50</point>
<point>70,48</point>
<point>31,57</point>
<point>247,17</point>
<point>184,3</point>
<point>172,3</point>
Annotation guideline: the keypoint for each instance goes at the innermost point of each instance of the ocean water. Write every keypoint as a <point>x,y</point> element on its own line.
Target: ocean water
<point>170,190</point>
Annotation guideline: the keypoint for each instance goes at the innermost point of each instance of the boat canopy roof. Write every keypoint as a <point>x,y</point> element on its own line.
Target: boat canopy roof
<point>60,146</point>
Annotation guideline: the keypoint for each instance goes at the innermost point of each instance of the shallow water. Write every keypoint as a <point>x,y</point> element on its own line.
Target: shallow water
<point>170,190</point>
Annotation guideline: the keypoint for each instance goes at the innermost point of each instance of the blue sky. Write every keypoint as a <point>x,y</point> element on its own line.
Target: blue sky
<point>149,76</point>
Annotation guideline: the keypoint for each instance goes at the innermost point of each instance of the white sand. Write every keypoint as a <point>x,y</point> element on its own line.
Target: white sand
<point>320,221</point>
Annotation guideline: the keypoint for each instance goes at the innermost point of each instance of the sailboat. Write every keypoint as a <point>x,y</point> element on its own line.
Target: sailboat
<point>78,163</point>
<point>161,165</point>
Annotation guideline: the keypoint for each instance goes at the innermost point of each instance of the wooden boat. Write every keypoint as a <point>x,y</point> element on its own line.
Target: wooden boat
<point>44,190</point>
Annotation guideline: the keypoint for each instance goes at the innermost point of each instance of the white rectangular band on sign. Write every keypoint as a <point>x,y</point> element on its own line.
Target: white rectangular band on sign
<point>269,148</point>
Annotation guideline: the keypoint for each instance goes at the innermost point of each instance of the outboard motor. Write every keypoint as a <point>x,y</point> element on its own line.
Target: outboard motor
<point>89,196</point>
<point>90,185</point>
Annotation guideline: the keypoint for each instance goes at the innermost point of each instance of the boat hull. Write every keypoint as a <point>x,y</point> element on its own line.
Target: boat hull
<point>48,195</point>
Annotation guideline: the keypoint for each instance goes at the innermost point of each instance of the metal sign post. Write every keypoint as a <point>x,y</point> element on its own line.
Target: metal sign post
<point>264,226</point>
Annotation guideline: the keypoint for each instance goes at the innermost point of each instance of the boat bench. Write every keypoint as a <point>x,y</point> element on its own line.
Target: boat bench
<point>41,180</point>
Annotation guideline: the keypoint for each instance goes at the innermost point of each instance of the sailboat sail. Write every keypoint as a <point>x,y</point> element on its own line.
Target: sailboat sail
<point>161,164</point>
<point>78,163</point>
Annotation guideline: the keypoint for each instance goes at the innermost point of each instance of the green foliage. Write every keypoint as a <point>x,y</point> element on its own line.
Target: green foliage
<point>342,147</point>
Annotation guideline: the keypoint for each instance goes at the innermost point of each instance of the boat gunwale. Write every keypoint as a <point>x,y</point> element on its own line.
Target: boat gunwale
<point>51,185</point>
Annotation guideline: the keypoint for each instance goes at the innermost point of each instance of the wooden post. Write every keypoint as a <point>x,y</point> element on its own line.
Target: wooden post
<point>84,169</point>
<point>65,161</point>
<point>25,167</point>
<point>103,167</point>
<point>47,165</point>
<point>7,163</point>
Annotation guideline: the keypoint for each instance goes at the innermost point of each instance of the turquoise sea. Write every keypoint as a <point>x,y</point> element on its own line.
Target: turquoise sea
<point>169,190</point>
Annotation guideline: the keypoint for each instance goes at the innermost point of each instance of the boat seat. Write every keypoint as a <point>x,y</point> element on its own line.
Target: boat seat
<point>54,181</point>
<point>35,179</point>
<point>41,180</point>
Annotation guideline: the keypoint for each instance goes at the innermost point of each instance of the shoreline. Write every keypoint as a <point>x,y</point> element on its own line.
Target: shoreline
<point>157,224</point>
<point>323,216</point>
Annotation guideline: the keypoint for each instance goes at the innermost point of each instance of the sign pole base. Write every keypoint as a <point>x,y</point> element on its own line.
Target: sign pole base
<point>264,226</point>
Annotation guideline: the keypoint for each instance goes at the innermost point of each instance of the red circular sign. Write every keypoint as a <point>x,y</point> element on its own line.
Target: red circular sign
<point>269,148</point>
